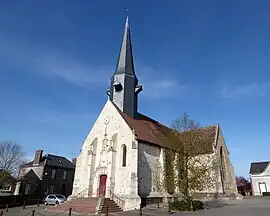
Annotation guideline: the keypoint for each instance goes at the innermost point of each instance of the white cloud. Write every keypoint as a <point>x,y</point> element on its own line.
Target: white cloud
<point>247,90</point>
<point>157,83</point>
<point>85,75</point>
<point>72,70</point>
<point>54,63</point>
<point>164,89</point>
<point>56,118</point>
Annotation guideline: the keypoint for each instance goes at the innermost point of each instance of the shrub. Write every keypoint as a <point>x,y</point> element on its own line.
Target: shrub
<point>266,193</point>
<point>197,205</point>
<point>179,205</point>
<point>183,206</point>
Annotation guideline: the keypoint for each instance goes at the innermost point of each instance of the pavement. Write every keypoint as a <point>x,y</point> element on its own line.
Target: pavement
<point>245,207</point>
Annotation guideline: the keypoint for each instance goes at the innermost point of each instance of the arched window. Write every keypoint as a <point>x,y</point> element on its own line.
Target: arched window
<point>124,156</point>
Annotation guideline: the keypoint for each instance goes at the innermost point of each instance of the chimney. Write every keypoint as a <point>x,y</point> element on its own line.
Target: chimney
<point>74,160</point>
<point>38,157</point>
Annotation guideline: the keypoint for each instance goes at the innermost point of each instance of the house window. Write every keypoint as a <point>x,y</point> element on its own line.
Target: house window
<point>27,189</point>
<point>51,189</point>
<point>65,175</point>
<point>262,187</point>
<point>124,156</point>
<point>53,173</point>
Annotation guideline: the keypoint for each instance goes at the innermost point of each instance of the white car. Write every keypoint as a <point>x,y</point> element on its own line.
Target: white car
<point>54,199</point>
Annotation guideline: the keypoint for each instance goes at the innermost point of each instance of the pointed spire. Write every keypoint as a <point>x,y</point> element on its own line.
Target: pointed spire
<point>127,26</point>
<point>125,63</point>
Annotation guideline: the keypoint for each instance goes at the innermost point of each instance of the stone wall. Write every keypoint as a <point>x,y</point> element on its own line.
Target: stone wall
<point>148,156</point>
<point>102,153</point>
<point>229,180</point>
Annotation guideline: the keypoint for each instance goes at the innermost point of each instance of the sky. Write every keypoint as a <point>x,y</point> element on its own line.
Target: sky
<point>208,58</point>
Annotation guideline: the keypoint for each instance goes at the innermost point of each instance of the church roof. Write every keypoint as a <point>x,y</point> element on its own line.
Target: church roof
<point>125,64</point>
<point>258,167</point>
<point>151,131</point>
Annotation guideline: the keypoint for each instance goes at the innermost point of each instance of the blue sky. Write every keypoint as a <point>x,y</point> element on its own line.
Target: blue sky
<point>208,58</point>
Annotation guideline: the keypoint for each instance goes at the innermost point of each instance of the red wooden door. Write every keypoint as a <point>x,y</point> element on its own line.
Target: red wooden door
<point>102,185</point>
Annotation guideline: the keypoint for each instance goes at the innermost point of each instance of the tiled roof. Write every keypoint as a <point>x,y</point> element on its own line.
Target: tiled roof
<point>258,167</point>
<point>150,131</point>
<point>55,161</point>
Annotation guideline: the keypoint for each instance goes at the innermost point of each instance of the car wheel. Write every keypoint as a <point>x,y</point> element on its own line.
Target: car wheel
<point>46,203</point>
<point>56,203</point>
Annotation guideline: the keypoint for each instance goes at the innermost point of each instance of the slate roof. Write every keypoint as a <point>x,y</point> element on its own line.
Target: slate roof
<point>151,131</point>
<point>258,167</point>
<point>125,64</point>
<point>55,161</point>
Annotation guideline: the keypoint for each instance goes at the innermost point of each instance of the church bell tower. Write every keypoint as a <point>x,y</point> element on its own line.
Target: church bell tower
<point>124,88</point>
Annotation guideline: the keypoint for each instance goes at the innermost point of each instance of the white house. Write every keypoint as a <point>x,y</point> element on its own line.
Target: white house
<point>260,177</point>
<point>119,154</point>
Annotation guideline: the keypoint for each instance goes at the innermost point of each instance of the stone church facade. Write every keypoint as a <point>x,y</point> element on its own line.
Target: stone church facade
<point>122,148</point>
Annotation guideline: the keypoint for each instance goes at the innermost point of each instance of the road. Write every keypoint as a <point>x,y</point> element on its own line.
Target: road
<point>245,207</point>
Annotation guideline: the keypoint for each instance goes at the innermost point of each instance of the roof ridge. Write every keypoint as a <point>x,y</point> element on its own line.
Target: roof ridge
<point>260,162</point>
<point>59,156</point>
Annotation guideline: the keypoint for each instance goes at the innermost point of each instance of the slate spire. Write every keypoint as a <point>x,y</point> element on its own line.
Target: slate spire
<point>124,88</point>
<point>125,63</point>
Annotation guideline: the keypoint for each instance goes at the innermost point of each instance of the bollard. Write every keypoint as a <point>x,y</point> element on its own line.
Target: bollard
<point>33,212</point>
<point>69,211</point>
<point>140,210</point>
<point>107,210</point>
<point>1,213</point>
<point>169,208</point>
<point>38,203</point>
<point>158,203</point>
<point>24,204</point>
<point>7,208</point>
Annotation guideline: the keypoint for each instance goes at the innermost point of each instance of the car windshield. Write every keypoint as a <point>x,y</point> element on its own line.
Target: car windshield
<point>60,196</point>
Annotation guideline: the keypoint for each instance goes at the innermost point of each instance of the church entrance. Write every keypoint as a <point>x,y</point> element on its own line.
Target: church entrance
<point>102,185</point>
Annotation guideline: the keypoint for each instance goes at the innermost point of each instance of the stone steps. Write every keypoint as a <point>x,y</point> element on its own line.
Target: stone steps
<point>112,206</point>
<point>86,205</point>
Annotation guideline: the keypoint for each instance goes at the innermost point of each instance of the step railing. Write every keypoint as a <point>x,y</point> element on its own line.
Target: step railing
<point>116,199</point>
<point>80,193</point>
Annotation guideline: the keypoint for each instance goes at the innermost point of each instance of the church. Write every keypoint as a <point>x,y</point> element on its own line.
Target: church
<point>117,157</point>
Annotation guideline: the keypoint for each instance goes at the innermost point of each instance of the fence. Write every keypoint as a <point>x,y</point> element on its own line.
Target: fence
<point>18,200</point>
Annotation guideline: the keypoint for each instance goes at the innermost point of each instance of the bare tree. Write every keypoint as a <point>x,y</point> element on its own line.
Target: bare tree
<point>11,157</point>
<point>189,163</point>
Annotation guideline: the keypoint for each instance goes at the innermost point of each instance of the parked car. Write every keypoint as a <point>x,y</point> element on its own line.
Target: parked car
<point>54,199</point>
